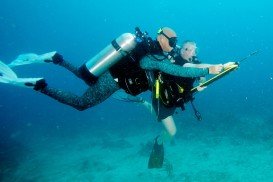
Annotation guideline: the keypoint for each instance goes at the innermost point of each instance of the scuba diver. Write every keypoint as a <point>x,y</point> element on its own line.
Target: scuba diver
<point>123,64</point>
<point>173,92</point>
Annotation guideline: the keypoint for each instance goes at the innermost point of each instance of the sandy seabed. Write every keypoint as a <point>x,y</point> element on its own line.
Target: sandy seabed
<point>196,155</point>
<point>92,159</point>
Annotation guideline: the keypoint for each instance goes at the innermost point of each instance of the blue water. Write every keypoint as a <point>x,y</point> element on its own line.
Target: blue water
<point>238,106</point>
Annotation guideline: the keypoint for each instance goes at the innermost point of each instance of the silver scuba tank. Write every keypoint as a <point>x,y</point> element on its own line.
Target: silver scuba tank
<point>107,57</point>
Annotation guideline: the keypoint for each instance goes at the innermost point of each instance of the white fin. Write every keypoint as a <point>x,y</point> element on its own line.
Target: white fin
<point>5,71</point>
<point>22,82</point>
<point>8,76</point>
<point>31,58</point>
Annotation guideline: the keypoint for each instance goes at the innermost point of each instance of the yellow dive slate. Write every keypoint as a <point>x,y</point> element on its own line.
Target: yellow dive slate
<point>225,72</point>
<point>217,77</point>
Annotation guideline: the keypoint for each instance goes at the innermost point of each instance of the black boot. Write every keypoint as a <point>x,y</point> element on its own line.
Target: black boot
<point>40,85</point>
<point>56,59</point>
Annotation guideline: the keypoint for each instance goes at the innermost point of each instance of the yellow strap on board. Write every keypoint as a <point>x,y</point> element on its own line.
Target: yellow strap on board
<point>157,85</point>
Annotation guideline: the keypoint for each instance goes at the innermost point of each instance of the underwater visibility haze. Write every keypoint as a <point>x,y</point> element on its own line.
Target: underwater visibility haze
<point>44,140</point>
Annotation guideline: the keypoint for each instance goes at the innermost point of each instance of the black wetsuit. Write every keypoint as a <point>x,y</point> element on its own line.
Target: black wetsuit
<point>106,85</point>
<point>128,73</point>
<point>186,83</point>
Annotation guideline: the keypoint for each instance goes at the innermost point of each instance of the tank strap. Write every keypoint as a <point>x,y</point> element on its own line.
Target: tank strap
<point>118,48</point>
<point>115,45</point>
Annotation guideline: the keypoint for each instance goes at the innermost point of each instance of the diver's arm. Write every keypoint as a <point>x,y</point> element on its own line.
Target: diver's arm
<point>167,67</point>
<point>201,79</point>
<point>132,98</point>
<point>191,65</point>
<point>141,101</point>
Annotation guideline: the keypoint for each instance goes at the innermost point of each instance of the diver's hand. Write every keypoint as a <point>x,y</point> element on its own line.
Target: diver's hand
<point>228,64</point>
<point>147,104</point>
<point>149,107</point>
<point>200,88</point>
<point>215,69</point>
<point>202,79</point>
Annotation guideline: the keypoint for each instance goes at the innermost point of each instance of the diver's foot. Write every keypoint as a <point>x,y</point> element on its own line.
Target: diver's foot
<point>56,59</point>
<point>157,155</point>
<point>40,85</point>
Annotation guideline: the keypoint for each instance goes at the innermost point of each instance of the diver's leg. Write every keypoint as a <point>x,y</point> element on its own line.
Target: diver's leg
<point>170,127</point>
<point>164,115</point>
<point>169,132</point>
<point>95,94</point>
<point>58,60</point>
<point>81,72</point>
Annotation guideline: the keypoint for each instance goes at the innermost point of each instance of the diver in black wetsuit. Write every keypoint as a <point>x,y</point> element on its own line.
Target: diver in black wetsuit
<point>121,65</point>
<point>128,74</point>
